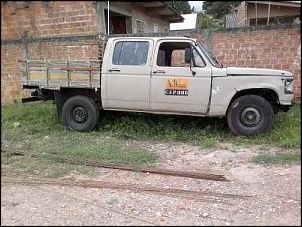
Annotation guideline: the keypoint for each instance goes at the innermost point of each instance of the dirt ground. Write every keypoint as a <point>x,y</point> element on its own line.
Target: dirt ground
<point>254,195</point>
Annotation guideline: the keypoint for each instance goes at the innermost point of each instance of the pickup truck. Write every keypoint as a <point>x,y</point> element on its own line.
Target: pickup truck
<point>161,75</point>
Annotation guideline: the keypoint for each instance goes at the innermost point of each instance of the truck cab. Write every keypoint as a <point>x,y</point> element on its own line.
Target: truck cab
<point>175,75</point>
<point>148,74</point>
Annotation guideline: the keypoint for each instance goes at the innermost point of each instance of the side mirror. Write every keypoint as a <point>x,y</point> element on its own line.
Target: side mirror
<point>188,55</point>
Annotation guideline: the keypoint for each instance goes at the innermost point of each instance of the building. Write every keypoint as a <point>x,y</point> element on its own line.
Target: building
<point>256,13</point>
<point>137,17</point>
<point>49,18</point>
<point>188,23</point>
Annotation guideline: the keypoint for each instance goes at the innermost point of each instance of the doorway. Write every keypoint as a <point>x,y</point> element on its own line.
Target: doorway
<point>118,23</point>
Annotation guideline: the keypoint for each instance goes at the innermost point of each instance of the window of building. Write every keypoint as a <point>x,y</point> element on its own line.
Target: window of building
<point>130,53</point>
<point>140,26</point>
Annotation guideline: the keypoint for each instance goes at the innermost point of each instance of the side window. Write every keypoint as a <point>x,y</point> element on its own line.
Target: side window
<point>172,54</point>
<point>130,53</point>
<point>198,61</point>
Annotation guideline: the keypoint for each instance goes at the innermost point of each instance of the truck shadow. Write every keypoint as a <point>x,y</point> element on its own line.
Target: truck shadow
<point>130,125</point>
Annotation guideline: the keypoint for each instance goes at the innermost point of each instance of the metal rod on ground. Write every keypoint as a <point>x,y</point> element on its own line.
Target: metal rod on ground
<point>206,176</point>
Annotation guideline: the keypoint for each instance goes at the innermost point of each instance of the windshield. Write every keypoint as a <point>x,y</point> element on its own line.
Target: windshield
<point>212,59</point>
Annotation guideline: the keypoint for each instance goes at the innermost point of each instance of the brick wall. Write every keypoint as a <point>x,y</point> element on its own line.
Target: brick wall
<point>271,49</point>
<point>56,48</point>
<point>44,30</point>
<point>10,73</point>
<point>47,18</point>
<point>68,50</point>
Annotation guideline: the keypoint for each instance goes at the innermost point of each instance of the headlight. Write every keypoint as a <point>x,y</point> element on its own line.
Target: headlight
<point>288,86</point>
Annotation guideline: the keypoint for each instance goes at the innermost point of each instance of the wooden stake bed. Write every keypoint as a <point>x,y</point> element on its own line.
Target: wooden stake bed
<point>54,74</point>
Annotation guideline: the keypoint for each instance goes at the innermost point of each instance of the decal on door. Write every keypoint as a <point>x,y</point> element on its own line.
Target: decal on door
<point>177,87</point>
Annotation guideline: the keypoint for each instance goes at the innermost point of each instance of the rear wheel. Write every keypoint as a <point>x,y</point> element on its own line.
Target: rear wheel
<point>250,115</point>
<point>80,113</point>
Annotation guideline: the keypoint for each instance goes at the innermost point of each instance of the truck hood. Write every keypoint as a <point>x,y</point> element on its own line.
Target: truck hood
<point>256,71</point>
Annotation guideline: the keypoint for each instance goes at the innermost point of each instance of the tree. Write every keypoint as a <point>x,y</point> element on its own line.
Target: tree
<point>205,21</point>
<point>219,9</point>
<point>182,7</point>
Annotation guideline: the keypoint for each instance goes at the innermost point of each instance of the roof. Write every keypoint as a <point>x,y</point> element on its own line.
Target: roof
<point>162,9</point>
<point>188,23</point>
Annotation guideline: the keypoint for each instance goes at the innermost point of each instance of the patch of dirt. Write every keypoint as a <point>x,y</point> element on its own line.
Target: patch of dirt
<point>254,195</point>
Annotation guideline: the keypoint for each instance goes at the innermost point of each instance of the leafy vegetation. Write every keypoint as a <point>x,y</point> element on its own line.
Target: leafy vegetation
<point>206,21</point>
<point>218,9</point>
<point>182,7</point>
<point>213,14</point>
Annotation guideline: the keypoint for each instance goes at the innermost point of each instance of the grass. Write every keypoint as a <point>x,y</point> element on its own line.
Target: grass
<point>205,132</point>
<point>35,126</point>
<point>167,128</point>
<point>279,158</point>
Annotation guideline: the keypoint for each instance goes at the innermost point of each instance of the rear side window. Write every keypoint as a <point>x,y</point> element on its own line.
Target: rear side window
<point>130,53</point>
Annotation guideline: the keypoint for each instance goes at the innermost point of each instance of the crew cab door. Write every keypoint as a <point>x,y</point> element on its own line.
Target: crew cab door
<point>174,88</point>
<point>126,76</point>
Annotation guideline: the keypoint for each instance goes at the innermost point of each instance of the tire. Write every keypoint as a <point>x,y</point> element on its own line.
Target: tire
<point>80,113</point>
<point>250,115</point>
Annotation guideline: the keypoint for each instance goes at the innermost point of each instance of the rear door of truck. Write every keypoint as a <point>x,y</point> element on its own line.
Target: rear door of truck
<point>126,74</point>
<point>174,88</point>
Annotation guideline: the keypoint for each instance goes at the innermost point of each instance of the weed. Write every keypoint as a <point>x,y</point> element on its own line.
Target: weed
<point>111,200</point>
<point>278,158</point>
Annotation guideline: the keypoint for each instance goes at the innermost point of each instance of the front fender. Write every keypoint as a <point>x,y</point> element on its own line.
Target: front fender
<point>224,89</point>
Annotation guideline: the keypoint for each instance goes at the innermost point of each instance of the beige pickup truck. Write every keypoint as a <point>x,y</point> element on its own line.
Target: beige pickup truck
<point>162,75</point>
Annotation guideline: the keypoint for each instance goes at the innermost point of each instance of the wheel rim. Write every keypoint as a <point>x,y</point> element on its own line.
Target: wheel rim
<point>79,114</point>
<point>250,117</point>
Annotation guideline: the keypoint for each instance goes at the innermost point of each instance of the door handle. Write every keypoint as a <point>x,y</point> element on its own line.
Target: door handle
<point>114,70</point>
<point>159,71</point>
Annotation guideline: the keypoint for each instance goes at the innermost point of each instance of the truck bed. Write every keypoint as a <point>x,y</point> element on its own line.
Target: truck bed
<point>56,74</point>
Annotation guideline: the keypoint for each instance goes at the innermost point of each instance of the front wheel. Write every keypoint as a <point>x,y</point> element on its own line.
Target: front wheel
<point>80,113</point>
<point>250,115</point>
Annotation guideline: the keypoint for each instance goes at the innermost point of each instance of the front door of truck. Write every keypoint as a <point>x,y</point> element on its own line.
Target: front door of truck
<point>128,75</point>
<point>174,86</point>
